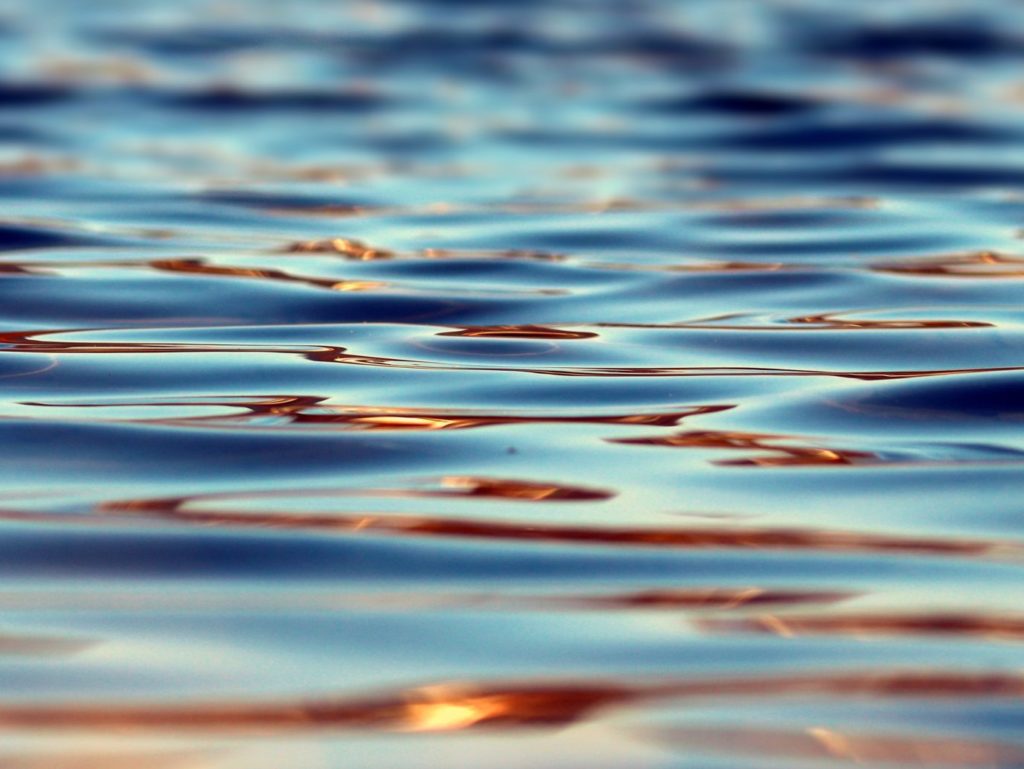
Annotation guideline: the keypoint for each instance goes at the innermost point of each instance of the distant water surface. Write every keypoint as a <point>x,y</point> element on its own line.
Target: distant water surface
<point>540,384</point>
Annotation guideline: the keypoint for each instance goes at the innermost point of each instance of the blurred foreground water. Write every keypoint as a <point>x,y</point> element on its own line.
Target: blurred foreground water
<point>537,384</point>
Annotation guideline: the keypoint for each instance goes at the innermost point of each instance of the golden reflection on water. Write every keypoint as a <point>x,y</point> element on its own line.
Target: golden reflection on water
<point>734,537</point>
<point>982,264</point>
<point>778,455</point>
<point>461,706</point>
<point>304,410</point>
<point>350,249</point>
<point>202,267</point>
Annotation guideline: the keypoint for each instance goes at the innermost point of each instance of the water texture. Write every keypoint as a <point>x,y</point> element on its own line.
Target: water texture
<point>560,384</point>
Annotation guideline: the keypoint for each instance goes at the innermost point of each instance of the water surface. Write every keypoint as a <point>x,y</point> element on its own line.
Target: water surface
<point>553,384</point>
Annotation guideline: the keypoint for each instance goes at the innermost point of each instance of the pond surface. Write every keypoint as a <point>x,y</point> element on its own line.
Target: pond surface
<point>537,384</point>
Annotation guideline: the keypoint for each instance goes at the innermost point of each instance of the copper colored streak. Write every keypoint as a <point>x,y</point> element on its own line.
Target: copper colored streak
<point>351,249</point>
<point>133,348</point>
<point>502,488</point>
<point>333,354</point>
<point>830,322</point>
<point>412,419</point>
<point>783,455</point>
<point>827,744</point>
<point>28,341</point>
<point>825,322</point>
<point>443,707</point>
<point>983,264</point>
<point>716,598</point>
<point>518,332</point>
<point>455,486</point>
<point>199,267</point>
<point>419,526</point>
<point>986,627</point>
<point>311,410</point>
<point>406,422</point>
<point>708,266</point>
<point>12,268</point>
<point>457,706</point>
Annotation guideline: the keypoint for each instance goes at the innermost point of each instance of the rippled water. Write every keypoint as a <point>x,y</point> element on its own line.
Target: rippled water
<point>550,384</point>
